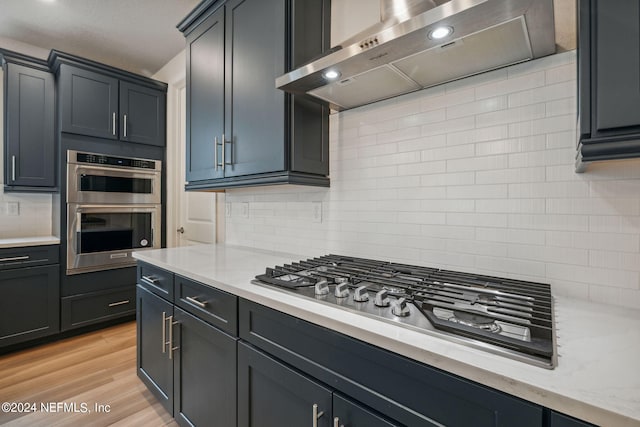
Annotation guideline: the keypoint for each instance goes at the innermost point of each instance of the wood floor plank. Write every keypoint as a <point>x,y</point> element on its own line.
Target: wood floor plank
<point>98,368</point>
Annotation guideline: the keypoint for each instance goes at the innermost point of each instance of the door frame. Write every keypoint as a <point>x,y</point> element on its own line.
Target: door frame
<point>175,150</point>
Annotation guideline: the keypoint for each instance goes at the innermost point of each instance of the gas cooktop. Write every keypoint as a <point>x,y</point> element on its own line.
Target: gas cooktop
<point>508,317</point>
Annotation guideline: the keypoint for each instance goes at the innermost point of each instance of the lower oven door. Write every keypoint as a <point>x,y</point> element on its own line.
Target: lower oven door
<point>101,237</point>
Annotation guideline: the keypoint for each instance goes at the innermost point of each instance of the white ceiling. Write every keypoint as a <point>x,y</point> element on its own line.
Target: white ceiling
<point>135,35</point>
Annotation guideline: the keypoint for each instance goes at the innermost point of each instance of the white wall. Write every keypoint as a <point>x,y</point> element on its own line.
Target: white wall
<point>475,175</point>
<point>35,210</point>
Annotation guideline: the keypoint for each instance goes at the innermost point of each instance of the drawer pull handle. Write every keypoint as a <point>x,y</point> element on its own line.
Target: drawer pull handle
<point>193,300</point>
<point>316,414</point>
<point>115,304</point>
<point>15,258</point>
<point>151,280</point>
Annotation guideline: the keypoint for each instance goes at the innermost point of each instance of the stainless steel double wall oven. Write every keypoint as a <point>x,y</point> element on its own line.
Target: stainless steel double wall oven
<point>113,208</point>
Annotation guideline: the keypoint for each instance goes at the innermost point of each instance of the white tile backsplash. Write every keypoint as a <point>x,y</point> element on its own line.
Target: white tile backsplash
<point>475,175</point>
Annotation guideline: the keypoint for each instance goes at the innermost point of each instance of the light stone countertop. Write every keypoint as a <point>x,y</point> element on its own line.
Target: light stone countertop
<point>597,378</point>
<point>19,242</point>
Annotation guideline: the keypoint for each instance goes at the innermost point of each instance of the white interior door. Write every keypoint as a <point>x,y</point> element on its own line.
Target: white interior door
<point>196,213</point>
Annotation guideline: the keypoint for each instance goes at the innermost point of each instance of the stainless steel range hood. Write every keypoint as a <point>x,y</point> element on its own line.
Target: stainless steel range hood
<point>401,54</point>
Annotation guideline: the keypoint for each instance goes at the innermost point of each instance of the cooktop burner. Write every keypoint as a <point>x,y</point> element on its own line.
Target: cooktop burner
<point>505,316</point>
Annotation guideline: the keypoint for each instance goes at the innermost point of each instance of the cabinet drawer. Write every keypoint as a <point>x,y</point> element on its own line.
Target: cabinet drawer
<point>209,304</point>
<point>30,256</point>
<point>81,310</point>
<point>157,280</point>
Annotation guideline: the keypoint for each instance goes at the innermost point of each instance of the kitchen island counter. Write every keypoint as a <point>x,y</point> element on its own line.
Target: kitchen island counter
<point>596,378</point>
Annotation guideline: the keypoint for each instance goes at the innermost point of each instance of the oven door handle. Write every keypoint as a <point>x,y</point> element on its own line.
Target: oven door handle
<point>116,170</point>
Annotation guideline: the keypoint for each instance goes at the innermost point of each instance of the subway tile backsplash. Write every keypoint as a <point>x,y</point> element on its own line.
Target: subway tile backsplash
<point>475,175</point>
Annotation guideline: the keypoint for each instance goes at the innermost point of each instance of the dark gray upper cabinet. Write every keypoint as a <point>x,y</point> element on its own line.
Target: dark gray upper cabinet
<point>241,130</point>
<point>142,113</point>
<point>101,101</point>
<point>88,102</point>
<point>205,99</point>
<point>608,83</point>
<point>29,131</point>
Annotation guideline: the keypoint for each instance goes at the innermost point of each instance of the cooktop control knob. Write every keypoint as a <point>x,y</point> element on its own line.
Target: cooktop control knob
<point>361,294</point>
<point>382,299</point>
<point>342,290</point>
<point>400,308</point>
<point>322,288</point>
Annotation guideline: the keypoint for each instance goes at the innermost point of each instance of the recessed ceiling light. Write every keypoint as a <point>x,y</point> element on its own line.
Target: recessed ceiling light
<point>331,74</point>
<point>440,33</point>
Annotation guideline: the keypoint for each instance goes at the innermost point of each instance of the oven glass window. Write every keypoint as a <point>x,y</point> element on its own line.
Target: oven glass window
<point>102,232</point>
<point>115,184</point>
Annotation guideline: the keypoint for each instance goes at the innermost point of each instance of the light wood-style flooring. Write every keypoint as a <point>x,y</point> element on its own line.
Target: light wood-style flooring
<point>94,368</point>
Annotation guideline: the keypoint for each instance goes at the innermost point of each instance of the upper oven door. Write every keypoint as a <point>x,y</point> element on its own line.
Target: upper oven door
<point>107,184</point>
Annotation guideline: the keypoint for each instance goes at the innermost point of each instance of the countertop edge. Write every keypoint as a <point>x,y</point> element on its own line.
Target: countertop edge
<point>23,242</point>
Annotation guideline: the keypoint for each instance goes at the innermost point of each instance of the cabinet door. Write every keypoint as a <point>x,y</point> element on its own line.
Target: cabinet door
<point>30,133</point>
<point>154,367</point>
<point>89,102</point>
<point>559,420</point>
<point>347,413</point>
<point>204,373</point>
<point>617,64</point>
<point>271,394</point>
<point>255,119</point>
<point>205,99</point>
<point>142,114</point>
<point>29,303</point>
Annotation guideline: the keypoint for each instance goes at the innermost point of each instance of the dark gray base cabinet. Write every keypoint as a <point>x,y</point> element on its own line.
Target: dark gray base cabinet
<point>97,297</point>
<point>398,388</point>
<point>186,362</point>
<point>29,294</point>
<point>271,394</point>
<point>241,130</point>
<point>608,83</point>
<point>29,124</point>
<point>101,101</point>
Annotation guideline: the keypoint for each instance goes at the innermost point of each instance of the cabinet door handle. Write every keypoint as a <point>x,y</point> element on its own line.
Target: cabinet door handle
<point>15,258</point>
<point>115,304</point>
<point>113,126</point>
<point>193,300</point>
<point>125,126</point>
<point>336,422</point>
<point>172,323</point>
<point>215,151</point>
<point>224,158</point>
<point>316,414</point>
<point>164,331</point>
<point>13,168</point>
<point>151,280</point>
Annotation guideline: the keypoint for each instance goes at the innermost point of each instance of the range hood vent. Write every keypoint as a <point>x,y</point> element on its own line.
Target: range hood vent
<point>400,54</point>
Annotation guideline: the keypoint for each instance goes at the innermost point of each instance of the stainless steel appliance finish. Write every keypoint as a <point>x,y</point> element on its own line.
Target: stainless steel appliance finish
<point>113,208</point>
<point>509,317</point>
<point>400,54</point>
<point>102,237</point>
<point>98,178</point>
